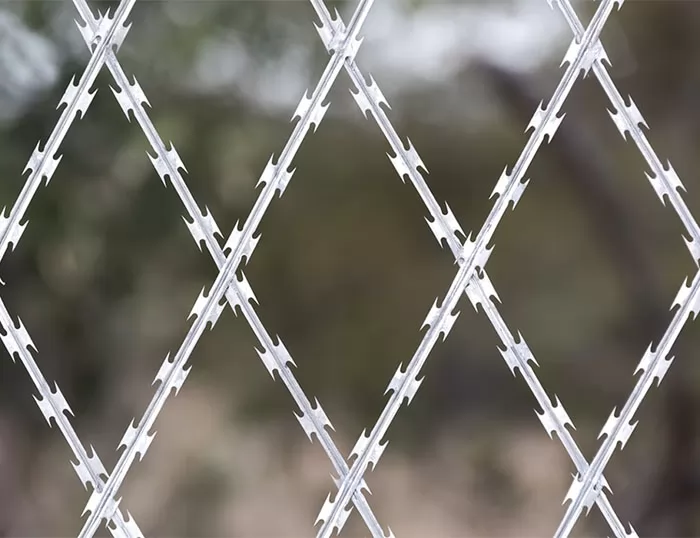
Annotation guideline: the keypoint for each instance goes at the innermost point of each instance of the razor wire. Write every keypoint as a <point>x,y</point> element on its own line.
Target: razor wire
<point>203,228</point>
<point>104,35</point>
<point>241,244</point>
<point>473,255</point>
<point>42,164</point>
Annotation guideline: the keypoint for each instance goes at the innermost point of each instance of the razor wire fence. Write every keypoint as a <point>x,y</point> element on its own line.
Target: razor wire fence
<point>104,34</point>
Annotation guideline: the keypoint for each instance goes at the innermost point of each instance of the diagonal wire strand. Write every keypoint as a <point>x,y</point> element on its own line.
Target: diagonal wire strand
<point>241,243</point>
<point>628,121</point>
<point>42,164</point>
<point>585,53</point>
<point>440,319</point>
<point>445,227</point>
<point>203,228</point>
<point>77,98</point>
<point>617,430</point>
<point>53,406</point>
<point>654,364</point>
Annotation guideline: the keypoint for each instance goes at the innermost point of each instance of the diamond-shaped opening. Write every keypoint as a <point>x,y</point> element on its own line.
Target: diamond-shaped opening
<point>466,407</point>
<point>106,270</point>
<point>272,235</point>
<point>224,358</point>
<point>303,242</point>
<point>66,287</point>
<point>351,274</point>
<point>599,260</point>
<point>451,273</point>
<point>337,242</point>
<point>666,434</point>
<point>298,252</point>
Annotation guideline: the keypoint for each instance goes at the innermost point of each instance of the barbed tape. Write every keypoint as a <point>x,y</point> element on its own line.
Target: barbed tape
<point>473,254</point>
<point>105,34</point>
<point>102,36</point>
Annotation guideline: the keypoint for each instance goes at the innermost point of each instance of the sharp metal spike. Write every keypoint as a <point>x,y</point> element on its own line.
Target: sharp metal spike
<point>328,509</point>
<point>41,164</point>
<point>628,119</point>
<point>652,364</point>
<point>75,95</point>
<point>545,122</point>
<point>16,339</point>
<point>236,239</point>
<point>406,161</point>
<point>314,420</point>
<point>308,107</point>
<point>203,227</point>
<point>575,492</point>
<point>11,232</point>
<point>130,98</point>
<point>167,164</point>
<point>170,377</point>
<point>372,450</point>
<point>274,174</point>
<point>368,96</point>
<point>86,469</point>
<point>138,441</point>
<point>400,385</point>
<point>554,417</point>
<point>614,427</point>
<point>202,309</point>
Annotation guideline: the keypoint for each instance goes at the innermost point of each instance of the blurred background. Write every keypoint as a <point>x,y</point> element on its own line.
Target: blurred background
<point>586,268</point>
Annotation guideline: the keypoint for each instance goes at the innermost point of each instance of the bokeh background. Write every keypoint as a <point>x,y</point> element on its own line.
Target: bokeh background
<point>586,268</point>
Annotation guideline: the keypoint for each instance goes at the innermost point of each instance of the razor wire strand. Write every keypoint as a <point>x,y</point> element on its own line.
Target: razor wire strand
<point>475,253</point>
<point>42,164</point>
<point>241,243</point>
<point>106,32</point>
<point>203,228</point>
<point>445,227</point>
<point>655,361</point>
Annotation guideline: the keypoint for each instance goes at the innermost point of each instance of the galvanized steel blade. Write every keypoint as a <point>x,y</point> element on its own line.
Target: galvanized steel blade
<point>667,185</point>
<point>554,417</point>
<point>42,164</point>
<point>76,100</point>
<point>664,179</point>
<point>54,407</point>
<point>241,243</point>
<point>628,120</point>
<point>445,227</point>
<point>618,429</point>
<point>203,228</point>
<point>474,254</point>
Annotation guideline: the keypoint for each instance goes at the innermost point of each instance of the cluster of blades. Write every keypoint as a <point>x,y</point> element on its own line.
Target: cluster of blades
<point>104,35</point>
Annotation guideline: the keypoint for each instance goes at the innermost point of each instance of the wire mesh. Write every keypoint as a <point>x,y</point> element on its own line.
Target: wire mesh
<point>104,34</point>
